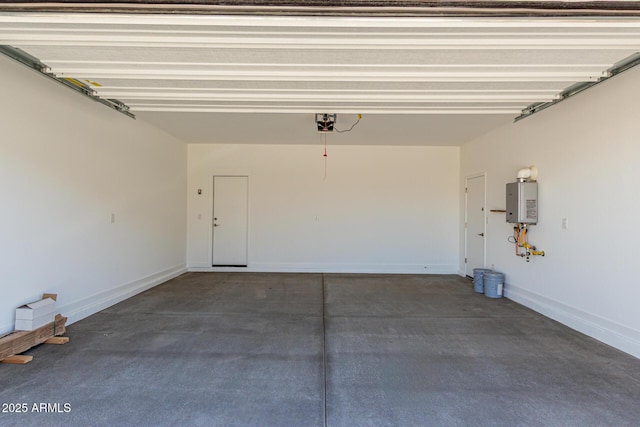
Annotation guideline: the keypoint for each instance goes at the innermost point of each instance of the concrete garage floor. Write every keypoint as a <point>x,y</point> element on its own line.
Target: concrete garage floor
<point>243,349</point>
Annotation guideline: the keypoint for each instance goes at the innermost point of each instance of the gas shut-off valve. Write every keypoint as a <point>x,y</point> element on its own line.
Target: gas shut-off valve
<point>522,210</point>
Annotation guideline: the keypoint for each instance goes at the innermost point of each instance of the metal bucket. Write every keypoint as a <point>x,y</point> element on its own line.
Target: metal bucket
<point>478,273</point>
<point>493,284</point>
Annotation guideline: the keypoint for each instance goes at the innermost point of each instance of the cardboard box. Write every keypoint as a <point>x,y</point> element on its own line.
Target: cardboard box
<point>35,314</point>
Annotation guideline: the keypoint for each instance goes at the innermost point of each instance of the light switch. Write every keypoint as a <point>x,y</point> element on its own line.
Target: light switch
<point>565,223</point>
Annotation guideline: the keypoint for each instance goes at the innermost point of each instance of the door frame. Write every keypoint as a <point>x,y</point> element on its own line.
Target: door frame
<point>466,218</point>
<point>211,199</point>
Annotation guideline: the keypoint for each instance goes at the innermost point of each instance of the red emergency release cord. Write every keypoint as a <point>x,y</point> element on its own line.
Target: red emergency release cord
<point>325,156</point>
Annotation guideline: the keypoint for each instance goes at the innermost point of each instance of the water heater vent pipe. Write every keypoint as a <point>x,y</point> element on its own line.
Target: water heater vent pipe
<point>528,174</point>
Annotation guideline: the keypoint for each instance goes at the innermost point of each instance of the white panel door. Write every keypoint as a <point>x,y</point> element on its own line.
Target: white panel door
<point>230,214</point>
<point>475,219</point>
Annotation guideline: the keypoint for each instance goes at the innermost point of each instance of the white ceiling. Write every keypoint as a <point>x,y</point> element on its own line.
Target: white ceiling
<point>241,79</point>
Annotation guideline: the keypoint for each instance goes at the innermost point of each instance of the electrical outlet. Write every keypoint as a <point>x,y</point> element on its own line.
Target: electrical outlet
<point>113,218</point>
<point>565,223</point>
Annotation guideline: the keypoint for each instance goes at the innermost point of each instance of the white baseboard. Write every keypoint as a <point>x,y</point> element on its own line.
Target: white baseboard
<point>78,310</point>
<point>611,333</point>
<point>335,268</point>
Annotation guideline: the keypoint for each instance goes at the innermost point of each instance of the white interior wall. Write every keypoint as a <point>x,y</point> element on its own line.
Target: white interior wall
<point>66,164</point>
<point>380,208</point>
<point>586,149</point>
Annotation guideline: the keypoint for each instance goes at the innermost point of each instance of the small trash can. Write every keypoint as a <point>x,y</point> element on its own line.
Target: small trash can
<point>493,284</point>
<point>477,279</point>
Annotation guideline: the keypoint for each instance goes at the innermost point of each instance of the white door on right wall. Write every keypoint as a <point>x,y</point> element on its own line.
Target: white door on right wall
<point>475,224</point>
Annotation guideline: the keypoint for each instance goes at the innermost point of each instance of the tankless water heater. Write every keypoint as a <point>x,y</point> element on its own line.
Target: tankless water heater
<point>522,202</point>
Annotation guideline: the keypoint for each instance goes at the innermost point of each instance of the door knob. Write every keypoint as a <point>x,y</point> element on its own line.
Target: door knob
<point>215,225</point>
<point>481,234</point>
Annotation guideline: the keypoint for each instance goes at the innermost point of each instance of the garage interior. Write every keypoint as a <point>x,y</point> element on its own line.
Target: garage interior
<point>346,300</point>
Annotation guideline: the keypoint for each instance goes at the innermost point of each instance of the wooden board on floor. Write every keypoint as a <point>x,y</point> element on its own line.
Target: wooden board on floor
<point>17,360</point>
<point>57,340</point>
<point>19,342</point>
